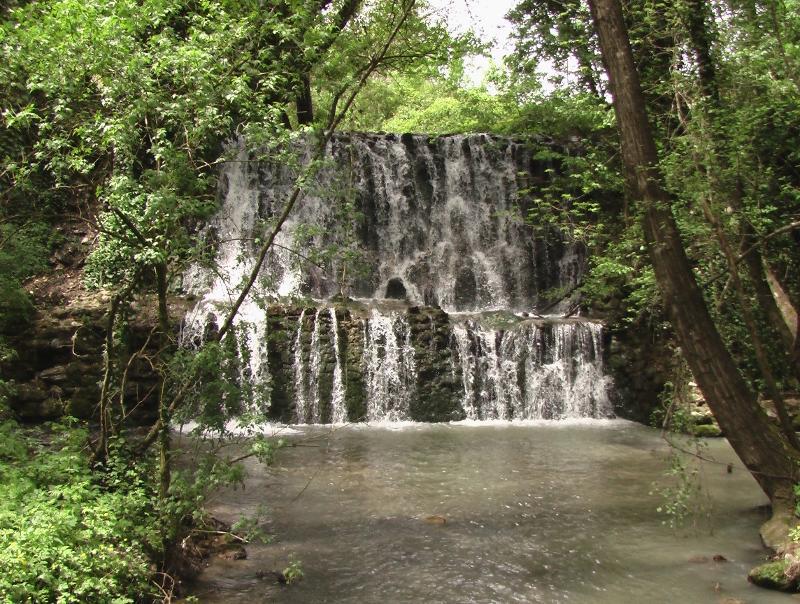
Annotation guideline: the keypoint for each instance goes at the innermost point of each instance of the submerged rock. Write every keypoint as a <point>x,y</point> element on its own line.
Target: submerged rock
<point>232,552</point>
<point>435,519</point>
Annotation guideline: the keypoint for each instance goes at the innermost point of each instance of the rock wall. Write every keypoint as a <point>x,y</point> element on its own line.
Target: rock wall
<point>59,363</point>
<point>641,361</point>
<point>303,368</point>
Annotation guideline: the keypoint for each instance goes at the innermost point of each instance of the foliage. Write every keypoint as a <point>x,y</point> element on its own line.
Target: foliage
<point>221,385</point>
<point>684,497</point>
<point>672,413</point>
<point>23,253</point>
<point>73,533</point>
<point>69,534</point>
<point>439,106</point>
<point>425,53</point>
<point>560,34</point>
<point>293,572</point>
<point>797,494</point>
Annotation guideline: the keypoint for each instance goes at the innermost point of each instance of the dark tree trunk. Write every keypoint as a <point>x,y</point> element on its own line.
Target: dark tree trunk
<point>696,14</point>
<point>305,104</point>
<point>304,100</point>
<point>759,444</point>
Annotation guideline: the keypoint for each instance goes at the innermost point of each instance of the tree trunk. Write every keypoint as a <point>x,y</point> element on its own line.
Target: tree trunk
<point>101,447</point>
<point>304,102</point>
<point>759,444</point>
<point>165,468</point>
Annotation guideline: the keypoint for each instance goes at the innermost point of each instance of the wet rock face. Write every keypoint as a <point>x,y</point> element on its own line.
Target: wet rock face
<point>641,361</point>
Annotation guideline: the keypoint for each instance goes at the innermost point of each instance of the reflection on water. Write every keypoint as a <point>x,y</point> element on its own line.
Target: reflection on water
<point>534,513</point>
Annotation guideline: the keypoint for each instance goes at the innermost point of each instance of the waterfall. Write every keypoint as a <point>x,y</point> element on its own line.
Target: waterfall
<point>315,361</point>
<point>338,410</point>
<point>444,217</point>
<point>389,367</point>
<point>298,370</point>
<point>397,223</point>
<point>535,370</point>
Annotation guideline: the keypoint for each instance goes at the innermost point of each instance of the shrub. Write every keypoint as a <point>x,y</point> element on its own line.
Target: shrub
<point>64,537</point>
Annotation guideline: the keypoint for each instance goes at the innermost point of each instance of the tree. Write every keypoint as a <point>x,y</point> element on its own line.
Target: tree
<point>763,449</point>
<point>121,112</point>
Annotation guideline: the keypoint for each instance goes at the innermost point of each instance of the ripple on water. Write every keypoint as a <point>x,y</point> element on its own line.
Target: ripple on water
<point>555,512</point>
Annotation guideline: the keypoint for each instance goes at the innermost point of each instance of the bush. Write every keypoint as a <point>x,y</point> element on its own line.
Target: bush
<point>64,537</point>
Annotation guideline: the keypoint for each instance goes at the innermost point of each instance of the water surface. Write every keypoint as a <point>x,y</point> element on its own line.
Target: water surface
<point>545,512</point>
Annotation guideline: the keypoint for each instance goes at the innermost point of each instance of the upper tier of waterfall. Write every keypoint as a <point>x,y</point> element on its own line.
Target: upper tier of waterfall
<point>437,221</point>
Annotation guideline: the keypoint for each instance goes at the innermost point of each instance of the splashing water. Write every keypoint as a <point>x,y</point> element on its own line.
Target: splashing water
<point>388,366</point>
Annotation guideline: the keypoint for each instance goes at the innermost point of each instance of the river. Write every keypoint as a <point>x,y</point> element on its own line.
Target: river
<point>545,512</point>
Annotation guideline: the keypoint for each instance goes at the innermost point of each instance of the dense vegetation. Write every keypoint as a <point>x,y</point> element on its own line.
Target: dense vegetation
<point>118,113</point>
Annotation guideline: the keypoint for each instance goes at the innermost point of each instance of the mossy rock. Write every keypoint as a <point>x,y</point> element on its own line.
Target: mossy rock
<point>17,309</point>
<point>702,419</point>
<point>772,575</point>
<point>706,430</point>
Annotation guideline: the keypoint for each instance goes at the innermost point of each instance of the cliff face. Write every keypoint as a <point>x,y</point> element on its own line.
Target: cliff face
<point>59,362</point>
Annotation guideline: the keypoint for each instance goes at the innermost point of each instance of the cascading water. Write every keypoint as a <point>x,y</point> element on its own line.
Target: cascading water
<point>390,373</point>
<point>315,361</point>
<point>535,370</point>
<point>300,376</point>
<point>338,410</point>
<point>427,222</point>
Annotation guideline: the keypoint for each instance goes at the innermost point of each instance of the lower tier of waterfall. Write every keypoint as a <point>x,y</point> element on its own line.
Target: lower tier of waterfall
<point>354,362</point>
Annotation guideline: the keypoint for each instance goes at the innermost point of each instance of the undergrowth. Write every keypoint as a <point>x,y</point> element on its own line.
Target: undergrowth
<point>68,534</point>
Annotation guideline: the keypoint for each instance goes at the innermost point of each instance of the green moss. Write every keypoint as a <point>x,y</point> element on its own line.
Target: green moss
<point>17,309</point>
<point>772,575</point>
<point>706,430</point>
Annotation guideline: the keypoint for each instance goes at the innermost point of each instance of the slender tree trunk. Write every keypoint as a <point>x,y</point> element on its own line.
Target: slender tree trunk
<point>789,314</point>
<point>101,448</point>
<point>165,474</point>
<point>305,103</point>
<point>759,444</point>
